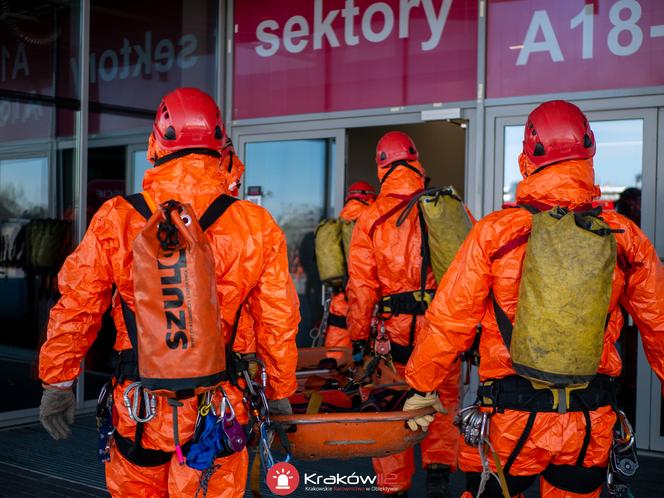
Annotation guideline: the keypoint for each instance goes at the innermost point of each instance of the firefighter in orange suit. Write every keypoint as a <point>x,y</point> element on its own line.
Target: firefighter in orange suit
<point>567,448</point>
<point>359,197</point>
<point>251,267</point>
<point>386,267</point>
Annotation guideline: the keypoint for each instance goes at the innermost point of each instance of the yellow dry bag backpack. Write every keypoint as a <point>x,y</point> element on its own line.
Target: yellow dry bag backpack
<point>347,228</point>
<point>330,258</point>
<point>558,334</point>
<point>447,225</point>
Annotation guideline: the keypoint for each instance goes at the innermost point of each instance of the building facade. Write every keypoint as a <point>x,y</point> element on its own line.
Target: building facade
<point>307,87</point>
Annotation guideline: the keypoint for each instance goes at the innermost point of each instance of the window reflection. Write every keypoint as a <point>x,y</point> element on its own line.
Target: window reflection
<point>140,165</point>
<point>23,188</point>
<point>33,246</point>
<point>292,176</point>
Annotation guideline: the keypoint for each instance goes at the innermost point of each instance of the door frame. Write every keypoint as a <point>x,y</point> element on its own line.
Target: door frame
<point>656,387</point>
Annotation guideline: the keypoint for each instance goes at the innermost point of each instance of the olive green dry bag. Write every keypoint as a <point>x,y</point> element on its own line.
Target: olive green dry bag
<point>346,234</point>
<point>564,298</point>
<point>329,252</point>
<point>448,225</point>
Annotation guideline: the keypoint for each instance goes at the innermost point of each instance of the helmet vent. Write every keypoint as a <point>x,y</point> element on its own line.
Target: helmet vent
<point>170,133</point>
<point>217,133</point>
<point>411,150</point>
<point>587,143</point>
<point>539,149</point>
<point>383,156</point>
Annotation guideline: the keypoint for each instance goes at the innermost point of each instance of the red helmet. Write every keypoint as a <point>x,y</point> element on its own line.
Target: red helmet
<point>395,146</point>
<point>362,191</point>
<point>557,131</point>
<point>188,118</point>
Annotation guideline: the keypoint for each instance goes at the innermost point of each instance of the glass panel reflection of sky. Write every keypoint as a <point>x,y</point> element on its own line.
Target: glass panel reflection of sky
<point>292,174</point>
<point>141,165</point>
<point>24,188</point>
<point>618,161</point>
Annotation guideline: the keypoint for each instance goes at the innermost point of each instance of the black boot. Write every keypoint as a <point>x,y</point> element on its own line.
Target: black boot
<point>438,481</point>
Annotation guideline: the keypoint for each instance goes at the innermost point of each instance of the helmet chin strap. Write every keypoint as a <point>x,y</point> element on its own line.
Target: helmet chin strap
<point>395,165</point>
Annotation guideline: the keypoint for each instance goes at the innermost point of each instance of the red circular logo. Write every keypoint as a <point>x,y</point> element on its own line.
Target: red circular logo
<point>282,479</point>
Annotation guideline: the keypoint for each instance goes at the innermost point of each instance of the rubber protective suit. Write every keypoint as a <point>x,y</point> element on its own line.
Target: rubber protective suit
<point>387,262</point>
<point>484,265</point>
<point>337,335</point>
<point>252,268</point>
<point>233,168</point>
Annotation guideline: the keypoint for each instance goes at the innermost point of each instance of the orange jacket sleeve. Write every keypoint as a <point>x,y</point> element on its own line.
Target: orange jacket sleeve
<point>85,283</point>
<point>363,284</point>
<point>274,307</point>
<point>643,295</point>
<point>454,313</point>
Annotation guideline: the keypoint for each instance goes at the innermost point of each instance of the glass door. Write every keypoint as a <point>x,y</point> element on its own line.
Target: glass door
<point>299,179</point>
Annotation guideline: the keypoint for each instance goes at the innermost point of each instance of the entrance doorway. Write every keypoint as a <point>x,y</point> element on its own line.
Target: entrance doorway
<point>441,144</point>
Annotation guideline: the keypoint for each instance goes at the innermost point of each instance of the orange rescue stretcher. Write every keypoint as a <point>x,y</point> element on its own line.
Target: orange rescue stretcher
<point>350,435</point>
<point>337,416</point>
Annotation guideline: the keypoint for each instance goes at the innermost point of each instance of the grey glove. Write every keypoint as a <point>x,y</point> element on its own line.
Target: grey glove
<point>280,407</point>
<point>56,412</point>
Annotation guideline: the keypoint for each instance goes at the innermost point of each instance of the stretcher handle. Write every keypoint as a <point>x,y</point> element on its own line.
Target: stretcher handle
<point>362,417</point>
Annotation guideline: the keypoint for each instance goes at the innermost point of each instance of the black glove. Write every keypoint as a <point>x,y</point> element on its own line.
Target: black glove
<point>56,411</point>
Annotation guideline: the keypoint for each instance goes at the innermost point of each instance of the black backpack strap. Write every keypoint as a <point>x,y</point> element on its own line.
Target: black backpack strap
<point>215,210</point>
<point>504,324</point>
<point>130,322</point>
<point>139,203</point>
<point>234,368</point>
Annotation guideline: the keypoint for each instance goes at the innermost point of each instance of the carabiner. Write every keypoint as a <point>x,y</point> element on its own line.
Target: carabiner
<point>266,407</point>
<point>207,406</point>
<point>264,444</point>
<point>625,437</point>
<point>267,459</point>
<point>225,406</point>
<point>133,408</point>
